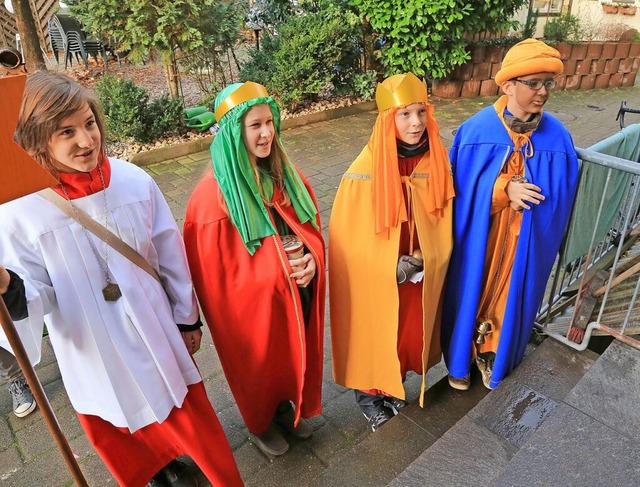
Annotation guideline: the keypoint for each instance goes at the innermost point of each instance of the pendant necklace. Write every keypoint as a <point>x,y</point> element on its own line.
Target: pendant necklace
<point>111,292</point>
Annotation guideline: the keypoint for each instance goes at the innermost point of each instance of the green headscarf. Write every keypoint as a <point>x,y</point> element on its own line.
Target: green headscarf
<point>237,181</point>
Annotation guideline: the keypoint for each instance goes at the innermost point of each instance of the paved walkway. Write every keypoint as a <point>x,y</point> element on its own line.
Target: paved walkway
<point>28,456</point>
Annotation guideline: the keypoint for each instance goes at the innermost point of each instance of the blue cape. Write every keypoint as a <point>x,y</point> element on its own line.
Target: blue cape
<point>480,149</point>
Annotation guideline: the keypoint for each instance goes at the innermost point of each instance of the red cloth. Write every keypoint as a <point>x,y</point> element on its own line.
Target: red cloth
<point>253,309</point>
<point>193,429</point>
<point>79,184</point>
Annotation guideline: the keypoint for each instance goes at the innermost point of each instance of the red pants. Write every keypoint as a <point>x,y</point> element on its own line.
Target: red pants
<point>193,429</point>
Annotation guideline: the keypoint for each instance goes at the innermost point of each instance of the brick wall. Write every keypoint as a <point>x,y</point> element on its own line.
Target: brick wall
<point>586,66</point>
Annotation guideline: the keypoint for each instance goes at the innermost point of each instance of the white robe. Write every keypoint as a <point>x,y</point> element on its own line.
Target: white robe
<point>124,361</point>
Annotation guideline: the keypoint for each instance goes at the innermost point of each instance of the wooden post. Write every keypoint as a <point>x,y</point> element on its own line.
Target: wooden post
<point>40,397</point>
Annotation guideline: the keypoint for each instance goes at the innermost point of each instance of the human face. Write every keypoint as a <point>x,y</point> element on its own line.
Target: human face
<point>75,144</point>
<point>411,122</point>
<point>258,131</point>
<point>523,100</point>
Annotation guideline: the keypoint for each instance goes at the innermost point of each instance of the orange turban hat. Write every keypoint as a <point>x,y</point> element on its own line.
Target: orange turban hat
<point>529,57</point>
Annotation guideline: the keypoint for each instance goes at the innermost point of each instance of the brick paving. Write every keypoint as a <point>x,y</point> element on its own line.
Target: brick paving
<point>28,455</point>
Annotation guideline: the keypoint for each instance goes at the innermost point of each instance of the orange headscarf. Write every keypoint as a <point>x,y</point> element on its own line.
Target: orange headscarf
<point>395,92</point>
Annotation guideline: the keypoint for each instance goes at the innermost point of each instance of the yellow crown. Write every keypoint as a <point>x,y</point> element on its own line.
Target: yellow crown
<point>410,90</point>
<point>248,91</point>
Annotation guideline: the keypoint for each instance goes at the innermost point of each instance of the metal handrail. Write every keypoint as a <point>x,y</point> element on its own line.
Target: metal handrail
<point>561,288</point>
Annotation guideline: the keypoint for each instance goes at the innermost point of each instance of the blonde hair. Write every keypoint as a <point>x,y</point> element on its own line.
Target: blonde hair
<point>274,164</point>
<point>48,99</point>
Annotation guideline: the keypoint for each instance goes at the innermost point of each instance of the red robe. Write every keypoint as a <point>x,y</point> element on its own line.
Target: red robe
<point>253,308</point>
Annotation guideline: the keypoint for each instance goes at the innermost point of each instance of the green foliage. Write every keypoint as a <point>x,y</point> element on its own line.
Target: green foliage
<point>315,51</point>
<point>143,26</point>
<point>427,37</point>
<point>269,14</point>
<point>566,28</point>
<point>260,66</point>
<point>210,64</point>
<point>364,84</point>
<point>529,27</point>
<point>130,114</point>
<point>311,55</point>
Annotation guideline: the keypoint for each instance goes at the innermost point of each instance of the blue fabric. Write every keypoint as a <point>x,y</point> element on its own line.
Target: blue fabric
<point>480,149</point>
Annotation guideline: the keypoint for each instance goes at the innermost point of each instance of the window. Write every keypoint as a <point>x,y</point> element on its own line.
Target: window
<point>548,6</point>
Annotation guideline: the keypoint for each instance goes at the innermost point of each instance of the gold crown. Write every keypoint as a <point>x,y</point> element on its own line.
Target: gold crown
<point>248,91</point>
<point>410,90</point>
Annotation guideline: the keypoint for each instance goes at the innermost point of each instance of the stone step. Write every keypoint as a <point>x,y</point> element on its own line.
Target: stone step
<point>478,449</point>
<point>380,456</point>
<point>594,432</point>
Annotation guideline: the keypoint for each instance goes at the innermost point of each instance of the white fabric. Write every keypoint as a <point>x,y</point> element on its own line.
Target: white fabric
<point>124,361</point>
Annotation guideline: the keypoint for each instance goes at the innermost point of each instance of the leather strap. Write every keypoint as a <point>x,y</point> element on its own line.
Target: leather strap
<point>100,231</point>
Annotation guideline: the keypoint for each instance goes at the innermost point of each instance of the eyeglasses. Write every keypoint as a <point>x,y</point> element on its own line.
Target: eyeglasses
<point>536,85</point>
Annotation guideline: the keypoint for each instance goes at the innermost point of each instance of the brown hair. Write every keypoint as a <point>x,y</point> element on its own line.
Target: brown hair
<point>48,99</point>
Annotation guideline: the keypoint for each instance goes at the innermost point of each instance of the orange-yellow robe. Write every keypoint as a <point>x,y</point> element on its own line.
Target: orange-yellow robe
<point>504,229</point>
<point>364,294</point>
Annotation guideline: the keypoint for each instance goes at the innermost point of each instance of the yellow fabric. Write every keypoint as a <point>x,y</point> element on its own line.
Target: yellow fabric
<point>408,89</point>
<point>363,290</point>
<point>387,185</point>
<point>529,57</point>
<point>248,91</point>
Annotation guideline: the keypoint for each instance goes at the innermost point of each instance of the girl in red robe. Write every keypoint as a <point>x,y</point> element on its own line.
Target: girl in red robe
<point>265,309</point>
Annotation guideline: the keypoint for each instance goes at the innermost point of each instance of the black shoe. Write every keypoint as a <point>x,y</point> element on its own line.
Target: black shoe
<point>395,404</point>
<point>375,414</point>
<point>175,474</point>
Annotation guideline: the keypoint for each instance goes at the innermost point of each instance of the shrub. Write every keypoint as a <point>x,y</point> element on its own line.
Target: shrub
<point>260,66</point>
<point>364,84</point>
<point>130,114</point>
<point>427,37</point>
<point>565,28</point>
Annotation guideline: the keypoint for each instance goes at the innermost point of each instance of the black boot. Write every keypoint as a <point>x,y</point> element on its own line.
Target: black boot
<point>174,474</point>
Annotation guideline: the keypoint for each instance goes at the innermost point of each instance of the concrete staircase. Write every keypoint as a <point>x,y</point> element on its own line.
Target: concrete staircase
<point>563,418</point>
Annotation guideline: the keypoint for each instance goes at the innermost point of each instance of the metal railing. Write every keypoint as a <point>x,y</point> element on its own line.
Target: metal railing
<point>598,292</point>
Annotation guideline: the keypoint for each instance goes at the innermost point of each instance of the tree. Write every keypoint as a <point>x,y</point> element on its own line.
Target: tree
<point>146,27</point>
<point>427,37</point>
<point>34,60</point>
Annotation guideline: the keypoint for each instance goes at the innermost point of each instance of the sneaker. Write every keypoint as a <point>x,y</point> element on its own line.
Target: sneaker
<point>395,404</point>
<point>376,416</point>
<point>175,474</point>
<point>484,361</point>
<point>271,442</point>
<point>286,419</point>
<point>23,401</point>
<point>460,384</point>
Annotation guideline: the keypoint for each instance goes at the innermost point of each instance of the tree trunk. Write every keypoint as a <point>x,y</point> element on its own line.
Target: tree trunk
<point>28,36</point>
<point>171,74</point>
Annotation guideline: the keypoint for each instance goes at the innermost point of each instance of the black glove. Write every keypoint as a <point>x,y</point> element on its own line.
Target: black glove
<point>407,267</point>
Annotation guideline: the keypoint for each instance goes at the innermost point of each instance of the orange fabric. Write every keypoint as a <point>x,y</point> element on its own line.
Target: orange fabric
<point>498,266</point>
<point>20,174</point>
<point>192,429</point>
<point>368,308</point>
<point>529,57</point>
<point>387,186</point>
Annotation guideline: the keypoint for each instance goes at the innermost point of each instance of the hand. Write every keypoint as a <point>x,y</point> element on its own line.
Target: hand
<point>407,267</point>
<point>522,193</point>
<point>304,270</point>
<point>5,280</point>
<point>192,340</point>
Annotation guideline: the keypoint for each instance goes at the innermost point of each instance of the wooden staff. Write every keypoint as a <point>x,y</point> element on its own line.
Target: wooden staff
<point>38,392</point>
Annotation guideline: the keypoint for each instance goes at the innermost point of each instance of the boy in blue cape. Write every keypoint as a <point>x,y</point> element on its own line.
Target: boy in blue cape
<point>515,176</point>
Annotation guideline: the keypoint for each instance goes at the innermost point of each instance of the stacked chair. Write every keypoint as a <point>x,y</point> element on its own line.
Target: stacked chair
<point>67,36</point>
